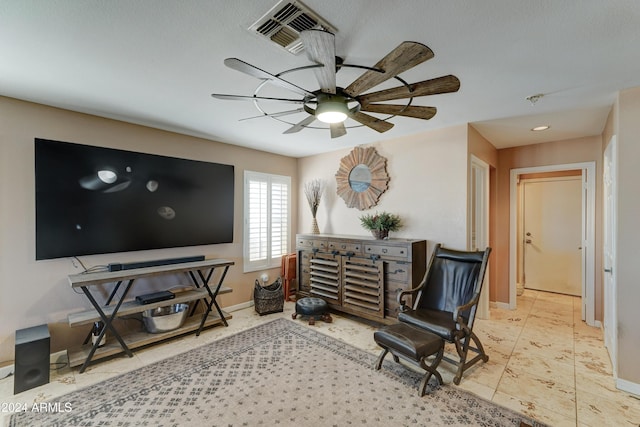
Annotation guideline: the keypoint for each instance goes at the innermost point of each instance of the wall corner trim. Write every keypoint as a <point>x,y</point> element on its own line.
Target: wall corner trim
<point>628,386</point>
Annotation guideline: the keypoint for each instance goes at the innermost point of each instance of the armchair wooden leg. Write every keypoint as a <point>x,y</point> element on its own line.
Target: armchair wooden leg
<point>463,351</point>
<point>380,359</point>
<point>476,340</point>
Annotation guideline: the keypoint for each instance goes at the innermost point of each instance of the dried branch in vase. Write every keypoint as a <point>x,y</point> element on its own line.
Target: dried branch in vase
<point>313,190</point>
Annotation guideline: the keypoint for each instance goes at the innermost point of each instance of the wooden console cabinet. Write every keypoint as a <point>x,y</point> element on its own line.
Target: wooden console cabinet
<point>359,275</point>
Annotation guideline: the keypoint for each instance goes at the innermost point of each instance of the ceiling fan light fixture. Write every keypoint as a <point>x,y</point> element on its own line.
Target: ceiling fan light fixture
<point>332,117</point>
<point>331,108</point>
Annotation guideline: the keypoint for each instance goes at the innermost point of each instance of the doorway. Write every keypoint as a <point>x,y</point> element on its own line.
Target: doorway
<point>478,238</point>
<point>587,222</point>
<point>609,252</point>
<point>550,237</point>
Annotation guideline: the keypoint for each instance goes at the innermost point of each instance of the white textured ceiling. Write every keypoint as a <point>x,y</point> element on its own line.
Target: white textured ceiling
<point>156,62</point>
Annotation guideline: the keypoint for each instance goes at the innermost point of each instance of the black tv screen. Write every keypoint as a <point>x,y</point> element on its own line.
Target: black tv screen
<point>93,200</point>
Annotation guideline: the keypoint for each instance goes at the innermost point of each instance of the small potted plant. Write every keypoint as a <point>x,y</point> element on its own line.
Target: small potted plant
<point>380,224</point>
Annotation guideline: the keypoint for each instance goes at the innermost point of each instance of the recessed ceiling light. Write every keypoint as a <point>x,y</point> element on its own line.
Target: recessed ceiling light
<point>540,128</point>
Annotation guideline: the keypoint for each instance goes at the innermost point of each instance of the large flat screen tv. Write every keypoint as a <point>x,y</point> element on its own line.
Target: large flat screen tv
<point>93,200</point>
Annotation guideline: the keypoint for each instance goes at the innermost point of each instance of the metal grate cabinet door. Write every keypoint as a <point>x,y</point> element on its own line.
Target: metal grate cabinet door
<point>325,277</point>
<point>363,285</point>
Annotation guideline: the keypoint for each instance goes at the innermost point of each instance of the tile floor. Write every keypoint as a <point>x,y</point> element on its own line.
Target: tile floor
<point>543,361</point>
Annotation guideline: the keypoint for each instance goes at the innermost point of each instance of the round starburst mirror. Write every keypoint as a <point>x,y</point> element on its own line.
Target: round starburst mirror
<point>362,178</point>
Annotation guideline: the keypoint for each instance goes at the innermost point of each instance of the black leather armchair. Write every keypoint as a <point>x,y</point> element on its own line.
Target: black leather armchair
<point>446,300</point>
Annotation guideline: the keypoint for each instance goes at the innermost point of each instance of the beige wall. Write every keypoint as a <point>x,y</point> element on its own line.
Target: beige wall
<point>627,128</point>
<point>427,188</point>
<point>33,293</point>
<point>485,151</point>
<point>554,153</point>
<point>480,147</point>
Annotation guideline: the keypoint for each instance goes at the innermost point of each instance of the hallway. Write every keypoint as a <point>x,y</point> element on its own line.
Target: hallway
<point>546,362</point>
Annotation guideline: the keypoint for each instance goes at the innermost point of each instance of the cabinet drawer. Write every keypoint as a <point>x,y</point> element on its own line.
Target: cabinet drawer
<point>346,248</point>
<point>391,306</point>
<point>396,271</point>
<point>307,243</point>
<point>304,257</point>
<point>304,279</point>
<point>383,250</point>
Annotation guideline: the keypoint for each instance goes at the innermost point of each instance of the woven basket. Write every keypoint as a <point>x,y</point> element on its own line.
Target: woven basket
<point>268,299</point>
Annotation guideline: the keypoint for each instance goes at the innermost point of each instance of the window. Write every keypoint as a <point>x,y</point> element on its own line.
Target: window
<point>267,208</point>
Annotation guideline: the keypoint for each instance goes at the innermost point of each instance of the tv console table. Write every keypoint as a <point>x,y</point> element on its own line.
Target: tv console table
<point>199,272</point>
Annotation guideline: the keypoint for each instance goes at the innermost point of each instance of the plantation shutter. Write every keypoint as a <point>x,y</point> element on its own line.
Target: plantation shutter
<point>267,219</point>
<point>279,218</point>
<point>257,228</point>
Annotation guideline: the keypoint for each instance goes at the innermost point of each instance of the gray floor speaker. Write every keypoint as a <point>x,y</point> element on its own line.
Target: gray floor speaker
<point>31,358</point>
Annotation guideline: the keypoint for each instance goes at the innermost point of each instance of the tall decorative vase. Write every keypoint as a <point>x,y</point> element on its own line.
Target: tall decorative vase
<point>314,226</point>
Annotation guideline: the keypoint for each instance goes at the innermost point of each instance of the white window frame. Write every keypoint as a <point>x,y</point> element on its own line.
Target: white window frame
<point>270,260</point>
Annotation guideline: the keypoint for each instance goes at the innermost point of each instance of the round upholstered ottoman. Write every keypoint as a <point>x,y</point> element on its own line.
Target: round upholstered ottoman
<point>313,308</point>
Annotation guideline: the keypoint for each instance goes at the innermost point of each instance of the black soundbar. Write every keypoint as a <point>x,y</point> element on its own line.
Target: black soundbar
<point>153,263</point>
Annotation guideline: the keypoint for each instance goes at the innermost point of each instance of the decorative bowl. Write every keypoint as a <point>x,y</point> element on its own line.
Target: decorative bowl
<point>165,319</point>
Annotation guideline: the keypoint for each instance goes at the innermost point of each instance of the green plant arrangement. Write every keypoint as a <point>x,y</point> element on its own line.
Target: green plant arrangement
<point>380,224</point>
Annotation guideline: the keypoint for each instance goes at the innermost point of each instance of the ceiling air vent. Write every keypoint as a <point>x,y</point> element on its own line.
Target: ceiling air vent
<point>284,22</point>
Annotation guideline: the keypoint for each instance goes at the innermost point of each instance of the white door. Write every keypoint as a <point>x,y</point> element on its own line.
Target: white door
<point>552,225</point>
<point>479,226</point>
<point>609,251</point>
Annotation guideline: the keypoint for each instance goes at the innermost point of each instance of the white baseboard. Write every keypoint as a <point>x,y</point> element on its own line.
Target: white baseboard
<point>501,305</point>
<point>628,386</point>
<point>240,306</point>
<point>5,371</point>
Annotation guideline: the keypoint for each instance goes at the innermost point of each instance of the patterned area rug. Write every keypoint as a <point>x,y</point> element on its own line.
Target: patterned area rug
<point>278,373</point>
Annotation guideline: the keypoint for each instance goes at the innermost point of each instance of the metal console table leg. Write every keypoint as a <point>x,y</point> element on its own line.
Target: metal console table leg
<point>107,323</point>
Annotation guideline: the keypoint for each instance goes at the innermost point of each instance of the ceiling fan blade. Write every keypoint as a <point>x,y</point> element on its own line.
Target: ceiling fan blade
<point>372,122</point>
<point>320,47</point>
<point>249,69</point>
<point>252,98</point>
<point>444,84</point>
<point>300,125</point>
<point>279,114</point>
<point>402,58</point>
<point>414,111</point>
<point>337,130</point>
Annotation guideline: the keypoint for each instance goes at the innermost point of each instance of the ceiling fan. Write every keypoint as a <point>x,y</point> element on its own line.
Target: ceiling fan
<point>332,104</point>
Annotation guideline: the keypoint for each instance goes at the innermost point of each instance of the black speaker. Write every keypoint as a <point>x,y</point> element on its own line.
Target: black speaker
<point>31,358</point>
